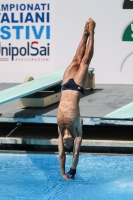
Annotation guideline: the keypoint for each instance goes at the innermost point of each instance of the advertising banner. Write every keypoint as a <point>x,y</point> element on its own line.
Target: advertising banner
<point>27,42</point>
<point>38,38</point>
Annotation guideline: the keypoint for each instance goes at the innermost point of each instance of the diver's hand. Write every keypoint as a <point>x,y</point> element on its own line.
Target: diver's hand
<point>71,174</point>
<point>68,177</point>
<point>65,177</point>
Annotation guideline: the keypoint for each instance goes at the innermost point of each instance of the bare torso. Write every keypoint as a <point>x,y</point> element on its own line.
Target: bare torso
<point>68,116</point>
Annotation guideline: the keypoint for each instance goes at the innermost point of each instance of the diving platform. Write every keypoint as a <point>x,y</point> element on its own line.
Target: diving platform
<point>107,122</point>
<point>105,104</point>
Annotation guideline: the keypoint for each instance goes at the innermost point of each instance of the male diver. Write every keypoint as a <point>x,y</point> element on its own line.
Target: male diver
<point>68,118</point>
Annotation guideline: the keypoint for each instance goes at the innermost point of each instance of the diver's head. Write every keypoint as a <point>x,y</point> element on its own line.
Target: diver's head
<point>68,140</point>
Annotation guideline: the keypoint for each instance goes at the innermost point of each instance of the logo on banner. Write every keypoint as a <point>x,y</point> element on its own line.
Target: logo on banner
<point>128,33</point>
<point>128,4</point>
<point>127,37</point>
<point>25,32</point>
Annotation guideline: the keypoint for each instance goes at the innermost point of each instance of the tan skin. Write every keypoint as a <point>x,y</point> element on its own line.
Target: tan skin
<point>68,118</point>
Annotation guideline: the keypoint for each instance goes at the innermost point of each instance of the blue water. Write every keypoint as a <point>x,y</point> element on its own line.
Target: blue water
<point>37,177</point>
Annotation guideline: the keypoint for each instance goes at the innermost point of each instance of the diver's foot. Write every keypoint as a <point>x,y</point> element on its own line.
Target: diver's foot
<point>92,25</point>
<point>86,28</point>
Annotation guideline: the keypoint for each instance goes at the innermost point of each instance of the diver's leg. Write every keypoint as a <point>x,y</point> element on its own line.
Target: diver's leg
<point>81,75</point>
<point>75,64</point>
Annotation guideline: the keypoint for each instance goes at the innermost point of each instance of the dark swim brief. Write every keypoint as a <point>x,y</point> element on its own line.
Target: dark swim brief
<point>71,85</point>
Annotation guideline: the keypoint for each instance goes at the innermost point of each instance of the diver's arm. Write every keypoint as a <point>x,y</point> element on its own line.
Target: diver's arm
<point>62,156</point>
<point>76,149</point>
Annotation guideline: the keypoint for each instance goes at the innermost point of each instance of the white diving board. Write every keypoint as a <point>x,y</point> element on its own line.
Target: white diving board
<point>33,86</point>
<point>121,113</point>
